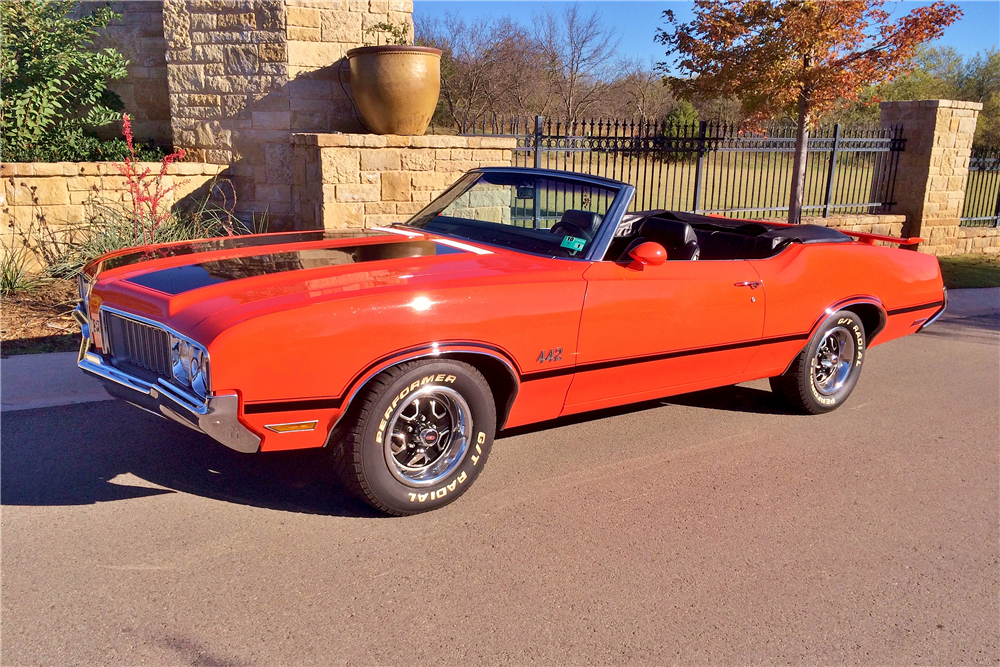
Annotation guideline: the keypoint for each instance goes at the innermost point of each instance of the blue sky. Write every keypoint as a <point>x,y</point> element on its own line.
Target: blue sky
<point>636,22</point>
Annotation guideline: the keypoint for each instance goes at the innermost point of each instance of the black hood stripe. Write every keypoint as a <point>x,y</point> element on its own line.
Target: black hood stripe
<point>182,279</point>
<point>234,243</point>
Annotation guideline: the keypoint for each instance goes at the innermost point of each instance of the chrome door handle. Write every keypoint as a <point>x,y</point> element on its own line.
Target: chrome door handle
<point>747,283</point>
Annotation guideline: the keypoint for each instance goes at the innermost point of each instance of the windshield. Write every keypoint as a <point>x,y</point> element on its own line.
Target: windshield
<point>545,215</point>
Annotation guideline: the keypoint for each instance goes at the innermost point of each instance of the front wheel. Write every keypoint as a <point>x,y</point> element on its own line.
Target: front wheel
<point>419,436</point>
<point>823,375</point>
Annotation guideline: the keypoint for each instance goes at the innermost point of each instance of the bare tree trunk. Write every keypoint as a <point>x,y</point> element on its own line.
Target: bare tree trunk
<point>799,165</point>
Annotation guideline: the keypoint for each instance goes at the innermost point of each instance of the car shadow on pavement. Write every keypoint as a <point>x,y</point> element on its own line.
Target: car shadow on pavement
<point>734,398</point>
<point>974,328</point>
<point>88,453</point>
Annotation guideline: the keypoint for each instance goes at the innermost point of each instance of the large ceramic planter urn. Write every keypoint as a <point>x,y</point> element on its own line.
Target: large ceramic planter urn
<point>395,87</point>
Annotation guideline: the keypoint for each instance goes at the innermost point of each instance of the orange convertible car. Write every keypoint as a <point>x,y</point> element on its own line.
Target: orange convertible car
<point>517,296</point>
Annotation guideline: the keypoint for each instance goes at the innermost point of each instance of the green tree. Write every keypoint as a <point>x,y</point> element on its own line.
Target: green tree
<point>796,58</point>
<point>939,73</point>
<point>682,114</point>
<point>53,85</point>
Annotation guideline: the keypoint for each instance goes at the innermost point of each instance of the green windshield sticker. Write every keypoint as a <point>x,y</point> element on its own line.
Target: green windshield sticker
<point>573,243</point>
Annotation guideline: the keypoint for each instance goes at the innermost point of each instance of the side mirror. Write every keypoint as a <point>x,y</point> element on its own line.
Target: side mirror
<point>648,253</point>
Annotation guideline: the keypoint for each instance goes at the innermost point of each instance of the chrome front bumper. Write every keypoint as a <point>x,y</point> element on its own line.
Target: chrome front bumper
<point>216,417</point>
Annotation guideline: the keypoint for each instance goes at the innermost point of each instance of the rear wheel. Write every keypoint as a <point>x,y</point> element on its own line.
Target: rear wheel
<point>823,375</point>
<point>418,437</point>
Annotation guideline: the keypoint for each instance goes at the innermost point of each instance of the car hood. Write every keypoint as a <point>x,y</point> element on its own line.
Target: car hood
<point>187,283</point>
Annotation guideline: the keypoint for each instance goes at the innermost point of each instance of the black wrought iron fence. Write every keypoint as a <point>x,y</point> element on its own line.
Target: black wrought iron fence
<point>713,167</point>
<point>982,192</point>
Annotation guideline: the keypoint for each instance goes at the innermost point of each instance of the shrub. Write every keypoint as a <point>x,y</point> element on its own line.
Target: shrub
<point>62,250</point>
<point>54,87</point>
<point>15,274</point>
<point>82,147</point>
<point>390,32</point>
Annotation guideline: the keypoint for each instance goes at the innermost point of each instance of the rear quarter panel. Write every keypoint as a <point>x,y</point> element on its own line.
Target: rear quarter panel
<point>806,280</point>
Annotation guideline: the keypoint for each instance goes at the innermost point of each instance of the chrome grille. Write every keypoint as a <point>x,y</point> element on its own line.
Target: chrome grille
<point>137,343</point>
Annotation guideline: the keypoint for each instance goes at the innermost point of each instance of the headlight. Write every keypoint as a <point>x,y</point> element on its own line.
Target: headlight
<point>189,365</point>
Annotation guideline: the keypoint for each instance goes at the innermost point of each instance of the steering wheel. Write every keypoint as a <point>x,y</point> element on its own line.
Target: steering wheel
<point>569,229</point>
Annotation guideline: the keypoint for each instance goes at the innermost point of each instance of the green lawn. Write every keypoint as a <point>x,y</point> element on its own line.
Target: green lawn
<point>961,271</point>
<point>739,180</point>
<point>729,180</point>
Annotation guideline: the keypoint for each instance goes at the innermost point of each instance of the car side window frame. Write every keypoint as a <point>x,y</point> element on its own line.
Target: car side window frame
<point>606,233</point>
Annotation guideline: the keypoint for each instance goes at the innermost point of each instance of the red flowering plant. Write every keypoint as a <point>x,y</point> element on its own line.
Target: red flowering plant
<point>148,192</point>
<point>145,217</point>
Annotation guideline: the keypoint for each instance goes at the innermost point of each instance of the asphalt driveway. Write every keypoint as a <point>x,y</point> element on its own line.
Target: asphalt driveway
<point>712,528</point>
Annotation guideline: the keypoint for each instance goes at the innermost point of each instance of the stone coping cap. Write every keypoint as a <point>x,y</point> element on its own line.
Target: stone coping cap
<point>401,141</point>
<point>976,232</point>
<point>934,104</point>
<point>8,169</point>
<point>853,219</point>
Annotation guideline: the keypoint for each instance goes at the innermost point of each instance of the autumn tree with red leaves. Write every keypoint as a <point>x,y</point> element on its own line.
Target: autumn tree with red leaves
<point>797,58</point>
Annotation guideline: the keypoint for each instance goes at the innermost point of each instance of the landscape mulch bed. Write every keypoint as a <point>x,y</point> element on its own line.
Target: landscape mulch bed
<point>40,320</point>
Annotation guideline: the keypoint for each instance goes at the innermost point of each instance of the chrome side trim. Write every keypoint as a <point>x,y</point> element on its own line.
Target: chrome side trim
<point>216,417</point>
<point>933,318</point>
<point>847,303</point>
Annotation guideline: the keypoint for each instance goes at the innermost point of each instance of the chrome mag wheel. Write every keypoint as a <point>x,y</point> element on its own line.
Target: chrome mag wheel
<point>429,434</point>
<point>833,360</point>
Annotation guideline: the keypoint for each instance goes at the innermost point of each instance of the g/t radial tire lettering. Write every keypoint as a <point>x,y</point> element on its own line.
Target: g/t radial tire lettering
<point>823,374</point>
<point>416,437</point>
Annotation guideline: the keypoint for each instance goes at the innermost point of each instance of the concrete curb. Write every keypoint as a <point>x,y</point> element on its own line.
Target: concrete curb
<point>31,381</point>
<point>972,302</point>
<point>48,380</point>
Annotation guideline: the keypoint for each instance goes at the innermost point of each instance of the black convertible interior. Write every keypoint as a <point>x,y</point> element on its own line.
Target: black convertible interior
<point>689,236</point>
<point>685,236</point>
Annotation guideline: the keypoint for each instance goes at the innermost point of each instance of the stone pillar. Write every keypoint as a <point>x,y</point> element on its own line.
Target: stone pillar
<point>138,35</point>
<point>933,168</point>
<point>245,74</point>
<point>368,180</point>
<point>227,73</point>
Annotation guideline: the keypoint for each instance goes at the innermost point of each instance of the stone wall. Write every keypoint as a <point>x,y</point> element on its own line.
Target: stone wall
<point>886,225</point>
<point>63,193</point>
<point>245,74</point>
<point>138,36</point>
<point>934,167</point>
<point>978,241</point>
<point>366,180</point>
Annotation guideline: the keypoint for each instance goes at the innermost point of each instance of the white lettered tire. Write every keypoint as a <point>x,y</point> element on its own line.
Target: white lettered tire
<point>824,374</point>
<point>418,436</point>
